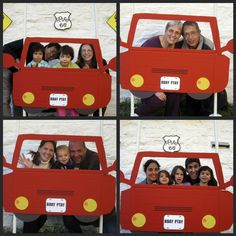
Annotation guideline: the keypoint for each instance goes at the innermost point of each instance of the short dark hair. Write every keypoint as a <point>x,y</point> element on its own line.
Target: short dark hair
<point>56,45</point>
<point>36,47</point>
<point>190,23</point>
<point>67,50</point>
<point>148,162</point>
<point>190,160</point>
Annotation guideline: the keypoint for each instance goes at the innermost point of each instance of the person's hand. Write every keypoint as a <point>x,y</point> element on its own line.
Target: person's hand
<point>86,66</point>
<point>161,96</point>
<point>24,161</point>
<point>18,62</point>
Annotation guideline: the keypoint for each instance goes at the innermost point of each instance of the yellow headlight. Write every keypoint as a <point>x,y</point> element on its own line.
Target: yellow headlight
<point>28,97</point>
<point>203,83</point>
<point>21,203</point>
<point>88,99</point>
<point>137,80</point>
<point>138,220</point>
<point>208,221</point>
<point>90,205</point>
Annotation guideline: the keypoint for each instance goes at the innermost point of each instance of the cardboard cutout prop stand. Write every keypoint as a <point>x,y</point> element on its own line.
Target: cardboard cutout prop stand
<point>39,88</point>
<point>31,192</point>
<point>173,208</point>
<point>145,71</point>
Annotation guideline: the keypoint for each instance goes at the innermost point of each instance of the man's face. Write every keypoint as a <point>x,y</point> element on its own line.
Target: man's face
<point>77,151</point>
<point>191,36</point>
<point>192,170</point>
<point>173,34</point>
<point>50,53</point>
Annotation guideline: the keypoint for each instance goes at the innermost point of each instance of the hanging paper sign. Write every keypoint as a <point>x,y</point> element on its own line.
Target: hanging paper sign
<point>56,205</point>
<point>171,143</point>
<point>6,21</point>
<point>170,83</point>
<point>112,21</point>
<point>174,222</point>
<point>57,99</point>
<point>62,21</point>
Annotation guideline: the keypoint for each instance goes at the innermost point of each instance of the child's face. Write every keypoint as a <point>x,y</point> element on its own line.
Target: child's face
<point>179,176</point>
<point>65,60</point>
<point>205,176</point>
<point>38,56</point>
<point>163,179</point>
<point>63,156</point>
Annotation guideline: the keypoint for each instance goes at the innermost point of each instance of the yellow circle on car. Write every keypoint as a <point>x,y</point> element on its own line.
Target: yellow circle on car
<point>21,203</point>
<point>137,80</point>
<point>28,97</point>
<point>138,220</point>
<point>209,221</point>
<point>203,83</point>
<point>88,99</point>
<point>90,205</point>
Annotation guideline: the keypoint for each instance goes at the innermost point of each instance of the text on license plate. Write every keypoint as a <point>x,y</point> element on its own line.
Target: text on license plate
<point>57,99</point>
<point>56,205</point>
<point>169,83</point>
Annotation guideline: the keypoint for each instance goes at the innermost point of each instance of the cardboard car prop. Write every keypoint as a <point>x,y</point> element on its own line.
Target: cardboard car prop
<point>31,192</point>
<point>146,70</point>
<point>40,88</point>
<point>176,208</point>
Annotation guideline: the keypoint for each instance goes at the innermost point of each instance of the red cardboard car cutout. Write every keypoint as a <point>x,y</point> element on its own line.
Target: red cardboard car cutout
<point>174,208</point>
<point>73,88</point>
<point>31,192</point>
<point>145,70</point>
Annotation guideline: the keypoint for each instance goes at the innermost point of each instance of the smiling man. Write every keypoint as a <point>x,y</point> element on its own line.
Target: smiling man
<point>192,166</point>
<point>151,105</point>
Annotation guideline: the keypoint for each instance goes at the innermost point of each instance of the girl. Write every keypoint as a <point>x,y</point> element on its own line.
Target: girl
<point>37,53</point>
<point>87,60</point>
<point>66,57</point>
<point>206,177</point>
<point>163,178</point>
<point>178,176</point>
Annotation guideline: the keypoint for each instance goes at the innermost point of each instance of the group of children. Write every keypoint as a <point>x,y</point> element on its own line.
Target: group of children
<point>66,56</point>
<point>178,177</point>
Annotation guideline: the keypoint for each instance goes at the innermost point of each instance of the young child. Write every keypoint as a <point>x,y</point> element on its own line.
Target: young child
<point>206,177</point>
<point>37,52</point>
<point>63,158</point>
<point>163,177</point>
<point>178,176</point>
<point>66,57</point>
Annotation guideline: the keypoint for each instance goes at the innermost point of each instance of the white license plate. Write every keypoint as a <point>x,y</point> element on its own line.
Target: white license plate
<point>57,99</point>
<point>170,83</point>
<point>56,205</point>
<point>173,222</point>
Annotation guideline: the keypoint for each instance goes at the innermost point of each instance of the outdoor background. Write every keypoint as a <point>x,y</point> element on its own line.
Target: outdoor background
<point>222,11</point>
<point>11,129</point>
<point>195,136</point>
<point>88,21</point>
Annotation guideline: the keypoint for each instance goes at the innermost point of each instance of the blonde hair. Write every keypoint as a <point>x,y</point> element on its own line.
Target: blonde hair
<point>62,148</point>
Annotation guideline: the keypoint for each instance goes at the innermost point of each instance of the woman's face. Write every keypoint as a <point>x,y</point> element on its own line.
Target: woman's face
<point>179,176</point>
<point>151,172</point>
<point>87,53</point>
<point>46,151</point>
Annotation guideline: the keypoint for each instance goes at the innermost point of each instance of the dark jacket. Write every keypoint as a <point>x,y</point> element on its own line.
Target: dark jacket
<point>90,161</point>
<point>69,165</point>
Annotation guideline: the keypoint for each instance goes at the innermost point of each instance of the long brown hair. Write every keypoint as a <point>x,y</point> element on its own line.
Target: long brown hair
<point>80,61</point>
<point>36,155</point>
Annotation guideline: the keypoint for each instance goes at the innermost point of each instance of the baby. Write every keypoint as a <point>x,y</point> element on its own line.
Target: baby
<point>37,52</point>
<point>63,158</point>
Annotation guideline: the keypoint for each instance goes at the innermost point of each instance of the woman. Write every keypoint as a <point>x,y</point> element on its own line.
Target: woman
<point>151,106</point>
<point>43,158</point>
<point>87,60</point>
<point>151,168</point>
